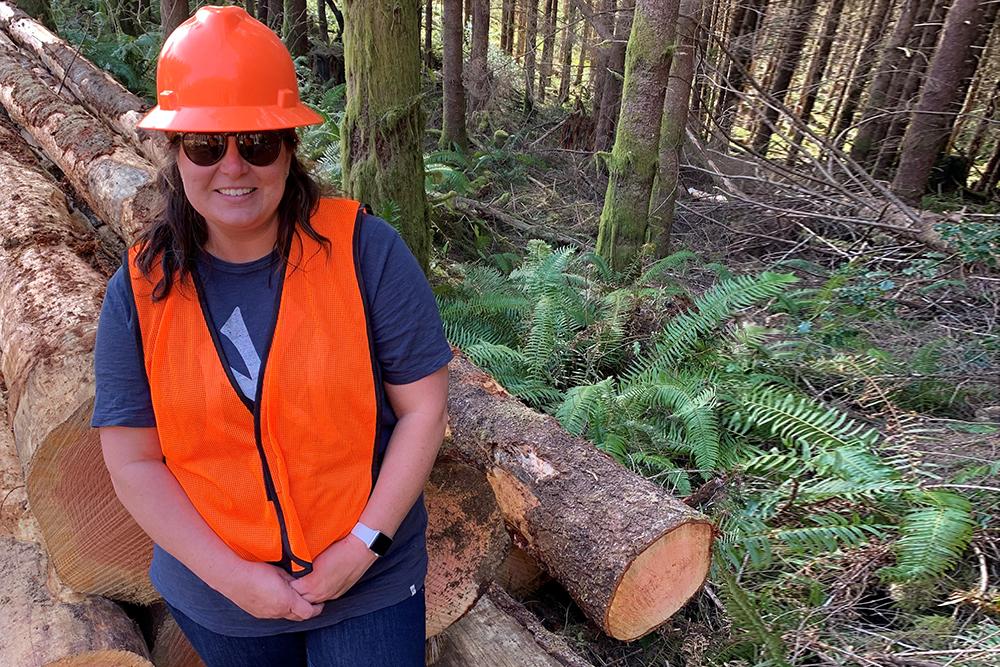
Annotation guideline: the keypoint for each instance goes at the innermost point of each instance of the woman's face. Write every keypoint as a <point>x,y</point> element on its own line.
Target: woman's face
<point>237,199</point>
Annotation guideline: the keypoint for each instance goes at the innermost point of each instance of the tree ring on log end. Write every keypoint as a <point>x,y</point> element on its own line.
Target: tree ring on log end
<point>660,580</point>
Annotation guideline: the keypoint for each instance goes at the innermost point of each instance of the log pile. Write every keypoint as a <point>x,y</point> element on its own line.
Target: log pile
<point>628,553</point>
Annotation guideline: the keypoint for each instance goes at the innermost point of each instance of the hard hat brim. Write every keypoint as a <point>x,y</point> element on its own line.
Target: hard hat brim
<point>229,119</point>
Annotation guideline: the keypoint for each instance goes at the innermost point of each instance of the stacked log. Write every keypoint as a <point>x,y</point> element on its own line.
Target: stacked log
<point>42,622</point>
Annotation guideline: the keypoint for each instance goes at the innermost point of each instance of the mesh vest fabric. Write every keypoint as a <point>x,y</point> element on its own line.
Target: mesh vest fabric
<point>281,478</point>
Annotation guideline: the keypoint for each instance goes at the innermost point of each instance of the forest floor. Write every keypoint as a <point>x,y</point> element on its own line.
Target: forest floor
<point>950,424</point>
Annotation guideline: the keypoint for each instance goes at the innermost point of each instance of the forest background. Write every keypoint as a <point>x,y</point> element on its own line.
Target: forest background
<point>748,248</point>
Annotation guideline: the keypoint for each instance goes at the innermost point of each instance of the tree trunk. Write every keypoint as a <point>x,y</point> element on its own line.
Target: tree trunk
<point>40,629</point>
<point>296,28</point>
<point>585,49</point>
<point>860,77</point>
<point>172,14</point>
<point>276,15</point>
<point>787,62</point>
<point>967,89</point>
<point>985,120</point>
<point>871,123</point>
<point>429,34</point>
<point>992,174</point>
<point>453,134</point>
<point>813,80</point>
<point>906,83</point>
<point>675,114</point>
<point>507,27</point>
<point>322,25</point>
<point>544,481</point>
<point>548,47</point>
<point>928,131</point>
<point>747,19</point>
<point>521,23</point>
<point>477,75</point>
<point>383,124</point>
<point>90,85</point>
<point>611,98</point>
<point>604,27</point>
<point>467,537</point>
<point>500,632</point>
<point>566,51</point>
<point>530,8</point>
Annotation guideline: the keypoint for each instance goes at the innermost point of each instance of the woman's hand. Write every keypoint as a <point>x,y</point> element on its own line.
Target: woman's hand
<point>264,591</point>
<point>335,570</point>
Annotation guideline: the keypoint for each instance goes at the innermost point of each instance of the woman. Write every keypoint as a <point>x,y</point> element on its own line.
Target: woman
<point>271,378</point>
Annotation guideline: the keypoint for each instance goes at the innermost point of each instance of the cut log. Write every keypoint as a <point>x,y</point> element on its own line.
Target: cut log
<point>114,181</point>
<point>500,632</point>
<point>170,647</point>
<point>50,299</point>
<point>466,541</point>
<point>41,627</point>
<point>91,86</point>
<point>520,574</point>
<point>628,553</point>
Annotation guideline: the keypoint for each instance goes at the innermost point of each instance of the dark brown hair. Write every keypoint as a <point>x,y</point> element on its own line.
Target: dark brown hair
<point>178,232</point>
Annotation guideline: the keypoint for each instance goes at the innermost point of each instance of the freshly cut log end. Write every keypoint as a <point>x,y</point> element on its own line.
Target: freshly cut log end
<point>466,541</point>
<point>627,552</point>
<point>42,628</point>
<point>660,581</point>
<point>520,574</point>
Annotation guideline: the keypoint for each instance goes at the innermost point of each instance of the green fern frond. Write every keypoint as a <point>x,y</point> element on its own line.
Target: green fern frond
<point>668,263</point>
<point>745,615</point>
<point>801,419</point>
<point>579,405</point>
<point>933,538</point>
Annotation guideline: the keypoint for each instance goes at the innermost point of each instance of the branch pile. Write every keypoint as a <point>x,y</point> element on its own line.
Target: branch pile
<point>626,551</point>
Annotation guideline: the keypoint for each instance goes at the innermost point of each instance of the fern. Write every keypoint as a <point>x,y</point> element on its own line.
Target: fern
<point>932,538</point>
<point>800,419</point>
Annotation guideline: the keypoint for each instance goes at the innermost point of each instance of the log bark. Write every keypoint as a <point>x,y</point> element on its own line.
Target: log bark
<point>453,132</point>
<point>577,511</point>
<point>477,75</point>
<point>50,298</point>
<point>611,96</point>
<point>40,627</point>
<point>500,632</point>
<point>108,175</point>
<point>92,87</point>
<point>466,541</point>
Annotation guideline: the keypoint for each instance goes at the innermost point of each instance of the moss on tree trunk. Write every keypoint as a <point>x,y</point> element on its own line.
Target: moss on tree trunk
<point>633,160</point>
<point>383,123</point>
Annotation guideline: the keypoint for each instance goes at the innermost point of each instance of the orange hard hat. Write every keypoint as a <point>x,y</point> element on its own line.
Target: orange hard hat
<point>224,71</point>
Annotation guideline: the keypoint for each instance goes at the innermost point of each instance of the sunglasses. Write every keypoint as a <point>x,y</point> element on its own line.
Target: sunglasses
<point>258,148</point>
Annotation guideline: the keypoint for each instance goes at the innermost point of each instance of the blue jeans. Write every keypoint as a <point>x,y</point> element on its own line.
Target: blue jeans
<point>390,637</point>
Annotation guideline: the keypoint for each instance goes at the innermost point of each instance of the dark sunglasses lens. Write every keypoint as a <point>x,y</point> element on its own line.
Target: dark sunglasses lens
<point>204,149</point>
<point>259,148</point>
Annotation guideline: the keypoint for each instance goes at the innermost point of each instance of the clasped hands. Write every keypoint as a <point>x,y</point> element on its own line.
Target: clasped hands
<point>267,591</point>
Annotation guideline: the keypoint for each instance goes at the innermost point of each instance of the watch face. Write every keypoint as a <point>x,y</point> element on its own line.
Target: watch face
<point>381,544</point>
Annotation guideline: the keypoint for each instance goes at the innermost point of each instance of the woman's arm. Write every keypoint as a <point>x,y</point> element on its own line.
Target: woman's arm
<point>422,410</point>
<point>154,498</point>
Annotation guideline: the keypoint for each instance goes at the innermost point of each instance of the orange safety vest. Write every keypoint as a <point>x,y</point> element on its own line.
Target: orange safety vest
<point>282,477</point>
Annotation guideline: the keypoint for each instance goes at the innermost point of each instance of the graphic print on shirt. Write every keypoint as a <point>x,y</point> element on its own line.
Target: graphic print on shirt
<point>235,329</point>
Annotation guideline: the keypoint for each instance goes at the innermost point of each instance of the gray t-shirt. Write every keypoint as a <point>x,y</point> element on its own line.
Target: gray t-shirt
<point>409,344</point>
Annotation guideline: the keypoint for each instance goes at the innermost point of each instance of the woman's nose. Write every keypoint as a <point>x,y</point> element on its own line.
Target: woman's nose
<point>232,162</point>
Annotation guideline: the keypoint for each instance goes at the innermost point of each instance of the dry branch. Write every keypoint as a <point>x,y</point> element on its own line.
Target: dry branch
<point>628,553</point>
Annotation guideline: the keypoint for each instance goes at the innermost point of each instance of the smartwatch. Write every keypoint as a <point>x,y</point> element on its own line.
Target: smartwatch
<point>377,541</point>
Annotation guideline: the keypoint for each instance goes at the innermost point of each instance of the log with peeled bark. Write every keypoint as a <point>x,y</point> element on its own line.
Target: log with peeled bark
<point>115,182</point>
<point>466,541</point>
<point>500,632</point>
<point>94,88</point>
<point>628,553</point>
<point>42,627</point>
<point>50,298</point>
<point>170,647</point>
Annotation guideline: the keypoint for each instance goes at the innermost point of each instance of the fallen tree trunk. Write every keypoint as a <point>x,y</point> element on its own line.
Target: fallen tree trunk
<point>627,552</point>
<point>114,181</point>
<point>500,632</point>
<point>92,87</point>
<point>50,299</point>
